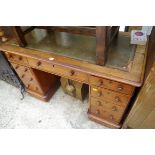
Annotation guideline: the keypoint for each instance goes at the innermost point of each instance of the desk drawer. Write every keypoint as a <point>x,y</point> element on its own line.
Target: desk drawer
<point>22,71</point>
<point>106,110</point>
<point>16,58</point>
<point>113,85</point>
<point>59,70</point>
<point>108,95</point>
<point>27,78</point>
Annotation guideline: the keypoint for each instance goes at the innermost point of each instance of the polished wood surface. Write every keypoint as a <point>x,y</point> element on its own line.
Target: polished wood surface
<point>59,70</point>
<point>106,110</point>
<point>82,30</point>
<point>107,84</point>
<point>17,58</point>
<point>101,45</point>
<point>132,76</point>
<point>39,84</point>
<point>112,85</point>
<point>108,95</point>
<point>82,47</point>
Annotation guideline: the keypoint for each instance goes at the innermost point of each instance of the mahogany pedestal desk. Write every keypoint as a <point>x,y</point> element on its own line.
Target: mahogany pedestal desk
<point>110,87</point>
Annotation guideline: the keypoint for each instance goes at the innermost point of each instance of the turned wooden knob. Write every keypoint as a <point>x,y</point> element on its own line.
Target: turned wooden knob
<point>99,83</point>
<point>114,108</point>
<point>117,99</point>
<point>97,112</point>
<point>20,58</point>
<point>23,76</point>
<point>38,63</point>
<point>10,56</point>
<point>99,103</point>
<point>16,67</point>
<point>25,70</point>
<point>31,79</point>
<point>99,93</point>
<point>120,88</point>
<point>72,73</point>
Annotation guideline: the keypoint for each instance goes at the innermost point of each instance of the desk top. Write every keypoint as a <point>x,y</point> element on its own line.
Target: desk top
<point>81,47</point>
<point>125,62</point>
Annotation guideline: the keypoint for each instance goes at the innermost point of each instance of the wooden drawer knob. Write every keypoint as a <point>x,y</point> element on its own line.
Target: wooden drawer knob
<point>99,103</point>
<point>20,58</point>
<point>10,56</point>
<point>16,67</point>
<point>117,99</point>
<point>38,63</point>
<point>114,108</point>
<point>25,70</point>
<point>99,83</point>
<point>97,112</point>
<point>120,88</point>
<point>23,76</point>
<point>72,73</point>
<point>31,79</point>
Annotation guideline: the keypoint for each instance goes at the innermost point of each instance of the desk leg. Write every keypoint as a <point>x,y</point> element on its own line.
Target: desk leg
<point>39,84</point>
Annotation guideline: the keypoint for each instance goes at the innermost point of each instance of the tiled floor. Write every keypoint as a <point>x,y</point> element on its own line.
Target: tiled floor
<point>61,112</point>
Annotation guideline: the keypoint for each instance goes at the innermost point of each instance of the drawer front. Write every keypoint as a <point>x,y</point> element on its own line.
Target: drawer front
<point>59,70</point>
<point>16,58</point>
<point>22,71</point>
<point>108,95</point>
<point>27,78</point>
<point>106,110</point>
<point>110,84</point>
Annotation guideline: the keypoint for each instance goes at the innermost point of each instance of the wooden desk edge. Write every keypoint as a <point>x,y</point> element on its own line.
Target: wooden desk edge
<point>31,53</point>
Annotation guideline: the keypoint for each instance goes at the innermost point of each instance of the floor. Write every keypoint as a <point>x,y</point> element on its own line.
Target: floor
<point>61,112</point>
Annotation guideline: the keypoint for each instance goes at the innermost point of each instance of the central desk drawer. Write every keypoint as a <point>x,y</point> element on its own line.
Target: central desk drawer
<point>59,70</point>
<point>110,84</point>
<point>108,95</point>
